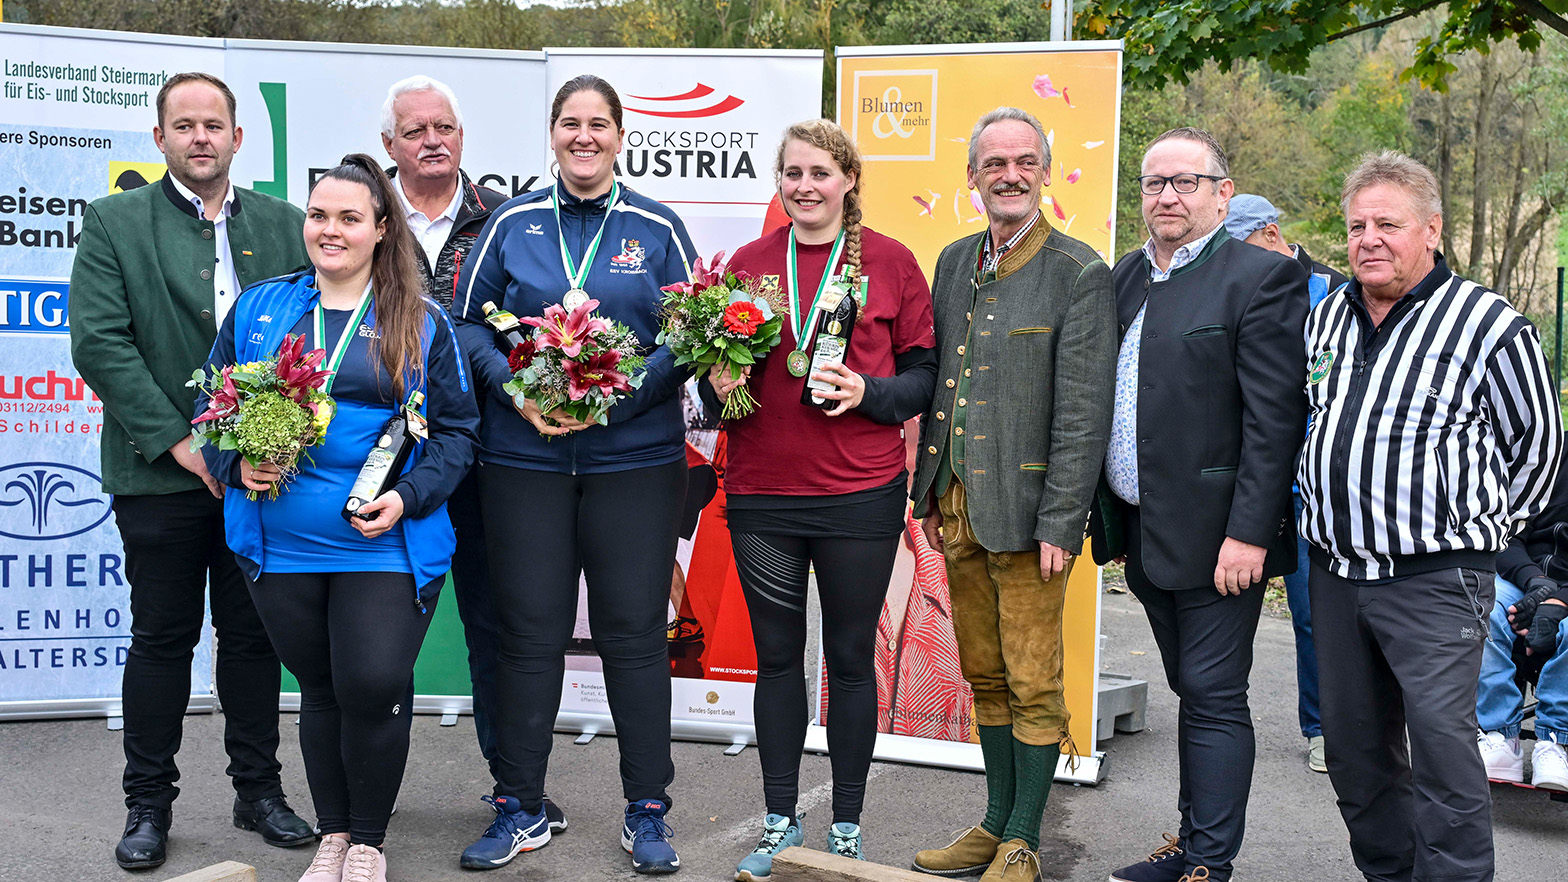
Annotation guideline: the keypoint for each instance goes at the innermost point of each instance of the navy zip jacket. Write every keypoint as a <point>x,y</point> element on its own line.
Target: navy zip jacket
<point>422,542</point>
<point>517,266</point>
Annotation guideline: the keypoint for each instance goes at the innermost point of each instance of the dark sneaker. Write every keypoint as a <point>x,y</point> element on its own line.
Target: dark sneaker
<point>513,831</point>
<point>556,817</point>
<point>1168,863</point>
<point>646,838</point>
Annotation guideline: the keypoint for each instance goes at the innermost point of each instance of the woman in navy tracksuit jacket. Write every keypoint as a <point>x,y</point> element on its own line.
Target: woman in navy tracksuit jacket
<point>565,499</point>
<point>347,605</point>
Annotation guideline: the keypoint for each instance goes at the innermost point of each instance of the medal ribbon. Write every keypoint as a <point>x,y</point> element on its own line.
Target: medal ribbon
<point>795,322</point>
<point>575,275</point>
<point>341,349</point>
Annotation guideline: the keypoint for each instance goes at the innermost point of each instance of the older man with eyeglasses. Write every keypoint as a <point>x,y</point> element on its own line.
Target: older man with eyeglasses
<point>1209,415</point>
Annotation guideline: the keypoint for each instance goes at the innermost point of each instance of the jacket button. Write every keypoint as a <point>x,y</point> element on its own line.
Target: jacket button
<point>931,450</point>
<point>940,415</point>
<point>960,350</point>
<point>959,430</point>
<point>206,275</point>
<point>206,313</point>
<point>951,384</point>
<point>968,316</point>
<point>967,372</point>
<point>206,234</point>
<point>962,402</point>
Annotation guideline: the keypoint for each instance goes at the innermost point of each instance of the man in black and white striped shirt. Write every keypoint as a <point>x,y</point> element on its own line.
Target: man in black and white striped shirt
<point>1435,436</point>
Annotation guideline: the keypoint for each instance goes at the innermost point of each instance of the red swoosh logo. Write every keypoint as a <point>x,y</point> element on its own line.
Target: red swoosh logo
<point>698,92</point>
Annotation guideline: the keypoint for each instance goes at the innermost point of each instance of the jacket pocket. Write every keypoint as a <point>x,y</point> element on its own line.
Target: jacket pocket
<point>1205,331</point>
<point>1020,331</point>
<point>1219,470</point>
<point>1032,466</point>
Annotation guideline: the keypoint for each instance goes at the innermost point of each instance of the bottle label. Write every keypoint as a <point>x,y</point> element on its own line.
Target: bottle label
<point>829,349</point>
<point>368,485</point>
<point>502,320</point>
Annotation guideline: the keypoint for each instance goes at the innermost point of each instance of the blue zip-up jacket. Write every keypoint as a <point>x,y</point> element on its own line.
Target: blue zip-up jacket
<point>269,311</point>
<point>517,265</point>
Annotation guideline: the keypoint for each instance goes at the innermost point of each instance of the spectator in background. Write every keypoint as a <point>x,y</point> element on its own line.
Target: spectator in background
<point>1255,220</point>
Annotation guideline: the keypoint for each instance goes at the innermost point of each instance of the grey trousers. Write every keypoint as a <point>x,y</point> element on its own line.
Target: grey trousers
<point>1401,659</point>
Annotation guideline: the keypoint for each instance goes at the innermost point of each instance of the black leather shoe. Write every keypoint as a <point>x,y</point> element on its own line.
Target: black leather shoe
<point>146,841</point>
<point>274,820</point>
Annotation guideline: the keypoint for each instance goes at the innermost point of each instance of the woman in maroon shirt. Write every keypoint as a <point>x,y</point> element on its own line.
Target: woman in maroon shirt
<point>809,486</point>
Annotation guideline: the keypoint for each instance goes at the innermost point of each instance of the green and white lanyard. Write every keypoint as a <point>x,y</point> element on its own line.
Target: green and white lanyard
<point>797,360</point>
<point>576,276</point>
<point>341,349</point>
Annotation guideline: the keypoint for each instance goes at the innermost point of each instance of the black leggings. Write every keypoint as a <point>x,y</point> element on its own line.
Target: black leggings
<point>544,530</point>
<point>852,580</point>
<point>351,640</point>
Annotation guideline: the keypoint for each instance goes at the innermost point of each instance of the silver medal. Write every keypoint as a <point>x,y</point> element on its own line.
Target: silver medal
<point>574,298</point>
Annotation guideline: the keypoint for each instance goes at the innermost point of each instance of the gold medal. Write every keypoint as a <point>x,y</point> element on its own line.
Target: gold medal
<point>797,363</point>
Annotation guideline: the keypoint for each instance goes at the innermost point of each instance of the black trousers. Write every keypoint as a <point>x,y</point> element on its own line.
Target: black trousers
<point>174,550</point>
<point>619,529</point>
<point>1401,660</point>
<point>351,640</point>
<point>852,577</point>
<point>1205,641</point>
<point>471,589</point>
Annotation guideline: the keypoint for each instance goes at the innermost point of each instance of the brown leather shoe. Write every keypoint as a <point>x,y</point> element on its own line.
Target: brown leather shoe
<point>970,853</point>
<point>1015,861</point>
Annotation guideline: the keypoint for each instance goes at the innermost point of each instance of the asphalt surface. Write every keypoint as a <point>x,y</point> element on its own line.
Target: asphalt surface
<point>60,798</point>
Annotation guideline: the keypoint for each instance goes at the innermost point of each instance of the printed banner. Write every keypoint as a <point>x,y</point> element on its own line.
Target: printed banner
<point>78,115</point>
<point>911,110</point>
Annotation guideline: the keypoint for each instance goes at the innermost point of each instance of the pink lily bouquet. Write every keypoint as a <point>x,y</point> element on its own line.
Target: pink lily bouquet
<point>268,411</point>
<point>576,362</point>
<point>720,317</point>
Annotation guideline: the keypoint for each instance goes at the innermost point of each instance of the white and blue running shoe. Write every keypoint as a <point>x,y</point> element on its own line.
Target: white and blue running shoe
<point>513,831</point>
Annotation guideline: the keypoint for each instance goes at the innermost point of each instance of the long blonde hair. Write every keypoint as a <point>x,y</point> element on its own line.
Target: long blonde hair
<point>830,137</point>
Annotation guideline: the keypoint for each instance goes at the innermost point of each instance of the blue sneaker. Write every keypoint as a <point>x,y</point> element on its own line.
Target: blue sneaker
<point>1168,863</point>
<point>512,831</point>
<point>778,833</point>
<point>844,841</point>
<point>646,838</point>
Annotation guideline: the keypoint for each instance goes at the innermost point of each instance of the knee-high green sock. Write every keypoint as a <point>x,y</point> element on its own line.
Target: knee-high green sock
<point>996,748</point>
<point>1034,768</point>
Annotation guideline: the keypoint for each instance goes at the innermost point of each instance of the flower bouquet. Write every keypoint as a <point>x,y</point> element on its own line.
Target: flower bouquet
<point>268,411</point>
<point>575,362</point>
<point>722,318</point>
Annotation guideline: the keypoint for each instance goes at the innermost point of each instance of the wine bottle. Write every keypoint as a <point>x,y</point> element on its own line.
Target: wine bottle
<point>509,331</point>
<point>385,463</point>
<point>834,325</point>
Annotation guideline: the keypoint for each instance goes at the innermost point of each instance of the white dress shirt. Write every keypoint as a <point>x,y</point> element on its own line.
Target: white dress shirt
<point>431,233</point>
<point>225,278</point>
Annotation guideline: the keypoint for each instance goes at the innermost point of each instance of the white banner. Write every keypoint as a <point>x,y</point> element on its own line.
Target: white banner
<point>78,115</point>
<point>702,127</point>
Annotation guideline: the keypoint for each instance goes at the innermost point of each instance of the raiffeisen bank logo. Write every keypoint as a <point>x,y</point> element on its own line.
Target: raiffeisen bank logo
<point>694,143</point>
<point>894,114</point>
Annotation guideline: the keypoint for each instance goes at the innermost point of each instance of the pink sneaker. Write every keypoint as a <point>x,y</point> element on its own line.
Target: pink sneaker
<point>328,863</point>
<point>365,863</point>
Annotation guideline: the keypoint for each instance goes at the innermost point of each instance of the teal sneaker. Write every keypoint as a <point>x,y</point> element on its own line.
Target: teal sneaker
<point>778,833</point>
<point>844,841</point>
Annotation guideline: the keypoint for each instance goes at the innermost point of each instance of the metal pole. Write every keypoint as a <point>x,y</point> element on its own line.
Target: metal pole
<point>1557,352</point>
<point>1061,15</point>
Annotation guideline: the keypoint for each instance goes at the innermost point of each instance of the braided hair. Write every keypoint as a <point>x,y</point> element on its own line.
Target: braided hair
<point>828,136</point>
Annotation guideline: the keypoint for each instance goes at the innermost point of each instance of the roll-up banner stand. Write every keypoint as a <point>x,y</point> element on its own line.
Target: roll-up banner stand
<point>76,118</point>
<point>702,129</point>
<point>911,110</point>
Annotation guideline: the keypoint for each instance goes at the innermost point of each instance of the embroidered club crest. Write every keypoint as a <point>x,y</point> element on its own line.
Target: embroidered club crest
<point>631,257</point>
<point>1320,367</point>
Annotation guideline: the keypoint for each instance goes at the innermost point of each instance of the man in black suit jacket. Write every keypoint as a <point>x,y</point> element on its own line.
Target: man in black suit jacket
<point>1209,416</point>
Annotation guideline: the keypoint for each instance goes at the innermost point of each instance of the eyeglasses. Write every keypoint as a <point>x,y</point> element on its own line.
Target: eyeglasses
<point>1154,185</point>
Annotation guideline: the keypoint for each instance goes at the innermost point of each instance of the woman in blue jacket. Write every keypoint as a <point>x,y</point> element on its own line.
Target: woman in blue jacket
<point>347,602</point>
<point>574,499</point>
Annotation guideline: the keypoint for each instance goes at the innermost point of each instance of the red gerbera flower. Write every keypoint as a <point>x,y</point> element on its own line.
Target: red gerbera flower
<point>595,372</point>
<point>522,356</point>
<point>742,318</point>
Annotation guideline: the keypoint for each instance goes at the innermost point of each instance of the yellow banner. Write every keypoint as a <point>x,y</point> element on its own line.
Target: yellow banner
<point>911,111</point>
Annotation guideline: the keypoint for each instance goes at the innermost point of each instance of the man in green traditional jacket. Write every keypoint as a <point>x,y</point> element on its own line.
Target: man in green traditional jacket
<point>1010,451</point>
<point>156,271</point>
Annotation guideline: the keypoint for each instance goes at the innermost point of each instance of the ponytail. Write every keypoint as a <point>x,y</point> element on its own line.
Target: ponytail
<point>395,279</point>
